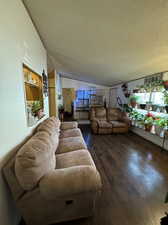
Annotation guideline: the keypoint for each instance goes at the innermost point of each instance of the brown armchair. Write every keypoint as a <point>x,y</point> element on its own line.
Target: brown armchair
<point>108,121</point>
<point>118,119</point>
<point>99,123</point>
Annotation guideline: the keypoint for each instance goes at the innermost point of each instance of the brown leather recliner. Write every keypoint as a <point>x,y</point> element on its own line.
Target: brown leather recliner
<point>99,123</point>
<point>108,121</point>
<point>118,119</point>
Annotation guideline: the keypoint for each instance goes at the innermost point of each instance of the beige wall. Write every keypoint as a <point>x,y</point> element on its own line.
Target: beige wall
<point>19,42</point>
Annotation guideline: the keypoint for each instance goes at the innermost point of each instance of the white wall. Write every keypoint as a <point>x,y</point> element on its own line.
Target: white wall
<point>131,86</point>
<point>19,42</point>
<point>70,83</point>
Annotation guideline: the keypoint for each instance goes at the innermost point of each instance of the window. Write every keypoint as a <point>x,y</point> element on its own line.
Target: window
<point>143,97</point>
<point>157,98</point>
<point>83,97</point>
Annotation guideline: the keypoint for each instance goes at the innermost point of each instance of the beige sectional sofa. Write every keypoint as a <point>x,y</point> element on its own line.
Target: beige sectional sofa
<point>52,177</point>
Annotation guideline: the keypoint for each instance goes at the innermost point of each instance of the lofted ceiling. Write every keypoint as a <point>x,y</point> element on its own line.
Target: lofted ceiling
<point>104,42</point>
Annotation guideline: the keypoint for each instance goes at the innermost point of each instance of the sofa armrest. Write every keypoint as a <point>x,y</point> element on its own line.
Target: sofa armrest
<point>69,181</point>
<point>69,125</point>
<point>126,120</point>
<point>95,120</point>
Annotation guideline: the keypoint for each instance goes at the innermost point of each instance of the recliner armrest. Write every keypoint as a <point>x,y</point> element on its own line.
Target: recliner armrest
<point>69,125</point>
<point>126,120</point>
<point>95,120</point>
<point>70,181</point>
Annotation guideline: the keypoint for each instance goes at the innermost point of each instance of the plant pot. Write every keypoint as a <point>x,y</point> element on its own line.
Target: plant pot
<point>158,130</point>
<point>148,127</point>
<point>166,107</point>
<point>139,124</point>
<point>133,122</point>
<point>39,114</point>
<point>165,84</point>
<point>142,106</point>
<point>133,104</point>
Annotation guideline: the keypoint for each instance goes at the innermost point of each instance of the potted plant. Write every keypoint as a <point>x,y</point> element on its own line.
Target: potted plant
<point>140,120</point>
<point>160,126</point>
<point>165,84</point>
<point>37,109</point>
<point>166,100</point>
<point>133,100</point>
<point>148,121</point>
<point>135,117</point>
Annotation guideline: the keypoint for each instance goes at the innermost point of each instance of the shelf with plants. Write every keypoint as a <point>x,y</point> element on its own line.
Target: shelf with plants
<point>33,86</point>
<point>143,96</point>
<point>149,122</point>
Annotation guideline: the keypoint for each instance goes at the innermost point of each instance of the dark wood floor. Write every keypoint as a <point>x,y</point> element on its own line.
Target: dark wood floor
<point>135,180</point>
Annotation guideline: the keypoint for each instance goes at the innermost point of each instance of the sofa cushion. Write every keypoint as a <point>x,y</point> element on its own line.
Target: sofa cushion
<point>69,125</point>
<point>50,125</point>
<point>70,133</point>
<point>34,160</point>
<point>113,114</point>
<point>104,124</point>
<point>75,158</point>
<point>100,113</point>
<point>71,144</point>
<point>68,183</point>
<point>53,138</point>
<point>118,124</point>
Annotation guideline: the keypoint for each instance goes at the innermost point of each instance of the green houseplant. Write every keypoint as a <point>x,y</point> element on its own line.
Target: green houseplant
<point>148,121</point>
<point>136,118</point>
<point>133,99</point>
<point>160,125</point>
<point>37,109</point>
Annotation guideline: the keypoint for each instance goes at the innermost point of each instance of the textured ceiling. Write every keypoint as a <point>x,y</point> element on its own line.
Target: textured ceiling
<point>105,42</point>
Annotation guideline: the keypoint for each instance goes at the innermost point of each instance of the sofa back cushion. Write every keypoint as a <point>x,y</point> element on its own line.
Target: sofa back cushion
<point>113,114</point>
<point>100,113</point>
<point>50,125</point>
<point>34,160</point>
